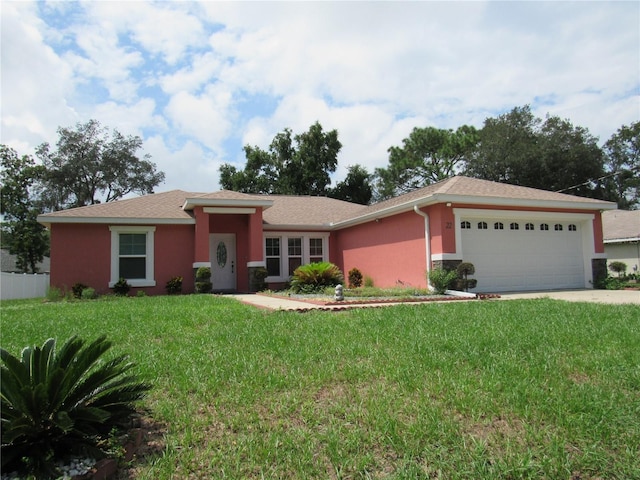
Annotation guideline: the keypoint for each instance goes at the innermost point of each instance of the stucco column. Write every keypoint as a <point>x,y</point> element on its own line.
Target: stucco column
<point>255,236</point>
<point>201,250</point>
<point>256,264</point>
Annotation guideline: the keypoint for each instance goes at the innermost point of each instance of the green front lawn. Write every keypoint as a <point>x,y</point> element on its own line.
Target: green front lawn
<point>513,389</point>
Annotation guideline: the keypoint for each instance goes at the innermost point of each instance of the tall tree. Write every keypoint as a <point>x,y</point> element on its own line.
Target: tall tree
<point>356,187</point>
<point>520,149</point>
<point>507,148</point>
<point>427,156</point>
<point>622,166</point>
<point>293,165</point>
<point>19,205</point>
<point>89,166</point>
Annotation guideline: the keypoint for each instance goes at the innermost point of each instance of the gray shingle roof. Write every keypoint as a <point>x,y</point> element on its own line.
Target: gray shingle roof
<point>283,210</point>
<point>621,225</point>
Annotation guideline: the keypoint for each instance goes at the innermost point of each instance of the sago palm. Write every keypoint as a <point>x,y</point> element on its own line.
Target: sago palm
<point>59,403</point>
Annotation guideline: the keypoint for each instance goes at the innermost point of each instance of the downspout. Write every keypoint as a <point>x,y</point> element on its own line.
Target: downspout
<point>427,242</point>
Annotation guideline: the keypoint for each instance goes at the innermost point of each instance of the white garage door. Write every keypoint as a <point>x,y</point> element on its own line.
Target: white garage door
<point>513,255</point>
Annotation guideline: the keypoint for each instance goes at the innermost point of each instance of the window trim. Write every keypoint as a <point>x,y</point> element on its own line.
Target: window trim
<point>149,231</point>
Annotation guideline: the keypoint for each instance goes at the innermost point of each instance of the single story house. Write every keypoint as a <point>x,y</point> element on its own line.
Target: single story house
<point>622,237</point>
<point>518,238</point>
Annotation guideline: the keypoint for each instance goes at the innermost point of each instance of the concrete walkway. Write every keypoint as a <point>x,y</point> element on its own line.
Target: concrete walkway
<point>281,303</point>
<point>599,296</point>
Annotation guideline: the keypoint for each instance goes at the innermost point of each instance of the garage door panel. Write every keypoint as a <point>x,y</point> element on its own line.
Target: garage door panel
<point>510,260</point>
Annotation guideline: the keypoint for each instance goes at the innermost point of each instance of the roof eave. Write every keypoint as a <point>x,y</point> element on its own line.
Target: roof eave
<point>268,227</point>
<point>48,220</point>
<point>622,240</point>
<point>191,203</point>
<point>525,202</point>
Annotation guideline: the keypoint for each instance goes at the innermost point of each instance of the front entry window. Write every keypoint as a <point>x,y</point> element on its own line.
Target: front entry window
<point>273,256</point>
<point>286,251</point>
<point>295,254</point>
<point>315,250</point>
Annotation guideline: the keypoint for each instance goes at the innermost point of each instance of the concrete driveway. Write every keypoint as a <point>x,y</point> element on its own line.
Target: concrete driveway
<point>599,296</point>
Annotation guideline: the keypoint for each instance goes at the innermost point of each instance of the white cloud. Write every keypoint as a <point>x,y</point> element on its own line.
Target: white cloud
<point>188,168</point>
<point>36,83</point>
<point>202,69</point>
<point>205,117</point>
<point>184,74</point>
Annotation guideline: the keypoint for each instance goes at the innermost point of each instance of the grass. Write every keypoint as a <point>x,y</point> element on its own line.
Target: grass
<point>506,390</point>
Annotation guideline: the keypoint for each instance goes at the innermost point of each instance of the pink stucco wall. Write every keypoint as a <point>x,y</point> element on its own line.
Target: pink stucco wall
<point>82,253</point>
<point>174,253</point>
<point>390,251</point>
<point>442,228</point>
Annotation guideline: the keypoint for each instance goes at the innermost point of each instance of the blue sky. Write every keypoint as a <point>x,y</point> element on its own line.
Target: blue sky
<point>199,80</point>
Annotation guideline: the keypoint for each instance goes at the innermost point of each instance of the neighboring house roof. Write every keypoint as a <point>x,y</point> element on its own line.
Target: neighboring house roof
<point>10,262</point>
<point>621,226</point>
<point>283,211</point>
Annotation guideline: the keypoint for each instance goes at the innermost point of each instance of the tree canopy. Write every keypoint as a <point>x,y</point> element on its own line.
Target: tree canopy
<point>19,205</point>
<point>293,165</point>
<point>355,188</point>
<point>89,166</point>
<point>622,166</point>
<point>550,154</point>
<point>427,156</point>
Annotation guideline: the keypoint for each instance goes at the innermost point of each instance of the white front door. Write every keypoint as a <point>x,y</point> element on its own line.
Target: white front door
<point>222,252</point>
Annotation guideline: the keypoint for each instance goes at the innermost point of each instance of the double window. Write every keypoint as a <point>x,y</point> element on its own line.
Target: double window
<point>132,255</point>
<point>284,253</point>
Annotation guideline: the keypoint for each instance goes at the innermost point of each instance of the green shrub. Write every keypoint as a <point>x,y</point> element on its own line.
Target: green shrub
<point>88,294</point>
<point>77,289</point>
<point>174,285</point>
<point>203,274</point>
<point>141,294</point>
<point>355,278</point>
<point>55,404</point>
<point>259,276</point>
<point>54,294</point>
<point>313,277</point>
<point>368,281</point>
<point>442,280</point>
<point>618,267</point>
<point>203,280</point>
<point>121,288</point>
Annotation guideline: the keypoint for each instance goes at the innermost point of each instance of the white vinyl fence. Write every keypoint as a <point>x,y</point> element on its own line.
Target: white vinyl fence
<point>23,285</point>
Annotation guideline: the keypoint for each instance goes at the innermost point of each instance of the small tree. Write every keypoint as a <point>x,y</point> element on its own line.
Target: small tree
<point>618,267</point>
<point>464,270</point>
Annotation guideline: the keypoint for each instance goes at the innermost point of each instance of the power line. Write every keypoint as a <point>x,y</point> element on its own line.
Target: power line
<point>597,179</point>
